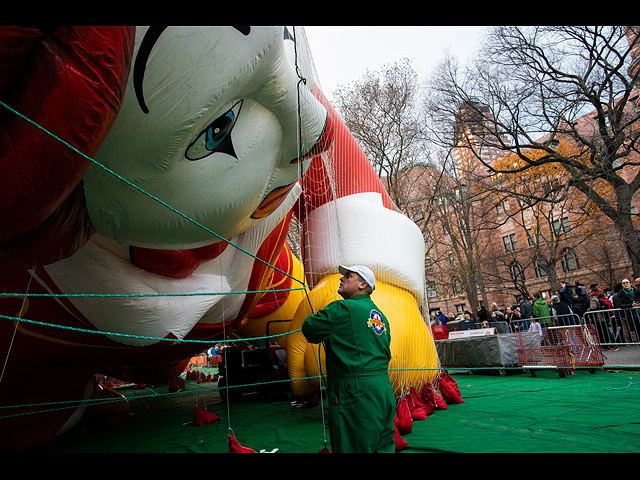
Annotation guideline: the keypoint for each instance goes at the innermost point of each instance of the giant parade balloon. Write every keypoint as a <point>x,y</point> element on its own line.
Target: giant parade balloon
<point>149,178</point>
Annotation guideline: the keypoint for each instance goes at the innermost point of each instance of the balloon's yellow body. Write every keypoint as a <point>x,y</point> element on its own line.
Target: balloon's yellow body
<point>414,358</point>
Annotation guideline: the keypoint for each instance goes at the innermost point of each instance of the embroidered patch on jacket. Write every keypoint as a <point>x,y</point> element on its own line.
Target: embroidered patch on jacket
<point>375,322</point>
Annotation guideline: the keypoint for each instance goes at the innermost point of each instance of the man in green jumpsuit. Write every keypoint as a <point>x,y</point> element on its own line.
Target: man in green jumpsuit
<point>357,344</point>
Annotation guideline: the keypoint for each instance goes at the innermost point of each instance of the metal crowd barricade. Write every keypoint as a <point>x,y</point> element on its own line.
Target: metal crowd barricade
<point>569,341</point>
<point>555,320</point>
<point>618,326</point>
<point>501,327</point>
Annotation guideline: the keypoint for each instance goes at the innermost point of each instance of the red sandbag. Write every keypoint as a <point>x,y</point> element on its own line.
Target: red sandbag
<point>428,399</point>
<point>432,400</point>
<point>176,385</point>
<point>201,417</point>
<point>403,421</point>
<point>449,389</point>
<point>401,444</point>
<point>235,447</point>
<point>416,406</point>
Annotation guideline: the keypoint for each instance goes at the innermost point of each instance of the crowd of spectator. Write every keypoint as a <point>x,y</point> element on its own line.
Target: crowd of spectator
<point>613,310</point>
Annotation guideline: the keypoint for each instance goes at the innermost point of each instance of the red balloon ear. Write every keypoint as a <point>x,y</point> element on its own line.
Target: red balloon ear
<point>63,232</point>
<point>71,82</point>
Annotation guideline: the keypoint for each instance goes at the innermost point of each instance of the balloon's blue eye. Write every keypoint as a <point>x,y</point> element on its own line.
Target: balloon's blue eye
<point>218,130</point>
<point>216,137</point>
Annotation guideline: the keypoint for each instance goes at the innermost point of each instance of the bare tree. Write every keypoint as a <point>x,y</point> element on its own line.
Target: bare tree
<point>458,227</point>
<point>381,110</point>
<point>532,86</point>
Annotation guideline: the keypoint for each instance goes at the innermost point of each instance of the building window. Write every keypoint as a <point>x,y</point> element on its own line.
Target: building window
<point>428,264</point>
<point>561,226</point>
<point>503,208</point>
<point>532,238</point>
<point>517,272</point>
<point>570,261</point>
<point>431,290</point>
<point>456,287</point>
<point>540,266</point>
<point>510,242</point>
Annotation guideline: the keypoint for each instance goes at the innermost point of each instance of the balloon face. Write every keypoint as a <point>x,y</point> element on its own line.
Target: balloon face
<point>216,124</point>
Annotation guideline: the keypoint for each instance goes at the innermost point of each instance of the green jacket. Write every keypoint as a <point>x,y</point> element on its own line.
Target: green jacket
<point>541,310</point>
<point>356,336</point>
<point>361,398</point>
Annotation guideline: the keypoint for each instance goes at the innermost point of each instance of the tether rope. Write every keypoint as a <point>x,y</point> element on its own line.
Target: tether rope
<point>628,387</point>
<point>15,330</point>
<point>302,80</point>
<point>139,337</point>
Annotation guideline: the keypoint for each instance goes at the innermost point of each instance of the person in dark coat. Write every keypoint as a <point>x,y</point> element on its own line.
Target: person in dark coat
<point>578,307</point>
<point>483,315</point>
<point>526,311</point>
<point>562,312</point>
<point>566,294</point>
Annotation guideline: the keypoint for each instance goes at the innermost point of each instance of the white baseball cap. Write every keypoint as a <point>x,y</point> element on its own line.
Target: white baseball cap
<point>365,272</point>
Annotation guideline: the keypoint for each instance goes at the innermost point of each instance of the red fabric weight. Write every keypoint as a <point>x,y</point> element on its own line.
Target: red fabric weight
<point>403,420</point>
<point>432,400</point>
<point>449,389</point>
<point>401,444</point>
<point>417,407</point>
<point>235,447</point>
<point>201,417</point>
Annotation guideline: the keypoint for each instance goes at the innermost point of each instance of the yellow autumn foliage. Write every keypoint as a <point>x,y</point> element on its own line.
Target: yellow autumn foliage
<point>518,177</point>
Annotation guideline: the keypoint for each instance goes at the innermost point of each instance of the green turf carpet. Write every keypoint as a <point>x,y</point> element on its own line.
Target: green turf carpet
<point>515,413</point>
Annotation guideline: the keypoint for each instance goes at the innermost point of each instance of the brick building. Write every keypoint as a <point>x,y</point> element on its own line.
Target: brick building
<point>519,251</point>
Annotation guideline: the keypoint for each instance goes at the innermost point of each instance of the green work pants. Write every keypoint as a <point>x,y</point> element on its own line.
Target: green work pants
<point>361,414</point>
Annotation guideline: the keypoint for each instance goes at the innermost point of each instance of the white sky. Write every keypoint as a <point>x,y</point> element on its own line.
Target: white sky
<point>342,54</point>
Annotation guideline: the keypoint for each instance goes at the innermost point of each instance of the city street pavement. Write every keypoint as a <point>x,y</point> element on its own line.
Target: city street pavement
<point>626,355</point>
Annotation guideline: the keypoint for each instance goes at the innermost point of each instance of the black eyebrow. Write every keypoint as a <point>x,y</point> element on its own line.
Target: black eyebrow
<point>243,30</point>
<point>150,38</point>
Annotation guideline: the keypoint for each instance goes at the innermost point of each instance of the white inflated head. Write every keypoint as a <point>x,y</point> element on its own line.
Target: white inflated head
<point>213,123</point>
